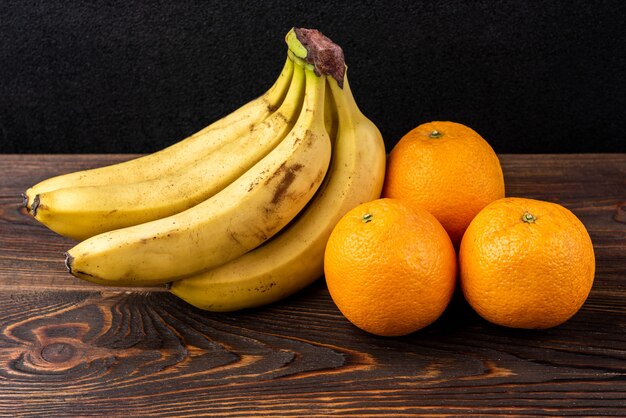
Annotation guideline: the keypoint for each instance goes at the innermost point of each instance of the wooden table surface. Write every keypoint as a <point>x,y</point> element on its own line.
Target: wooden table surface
<point>71,348</point>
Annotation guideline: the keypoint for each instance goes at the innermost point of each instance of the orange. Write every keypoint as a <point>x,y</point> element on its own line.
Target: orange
<point>448,169</point>
<point>526,263</point>
<point>390,269</point>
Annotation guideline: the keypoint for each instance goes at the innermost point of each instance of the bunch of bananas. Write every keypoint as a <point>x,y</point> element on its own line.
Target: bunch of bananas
<point>238,214</point>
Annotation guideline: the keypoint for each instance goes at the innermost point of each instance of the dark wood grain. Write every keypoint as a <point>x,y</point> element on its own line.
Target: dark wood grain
<point>69,348</point>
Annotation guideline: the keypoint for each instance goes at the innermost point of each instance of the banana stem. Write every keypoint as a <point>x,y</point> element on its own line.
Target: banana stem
<point>316,49</point>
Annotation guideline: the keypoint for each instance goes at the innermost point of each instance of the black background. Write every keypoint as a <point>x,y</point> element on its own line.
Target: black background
<point>135,76</point>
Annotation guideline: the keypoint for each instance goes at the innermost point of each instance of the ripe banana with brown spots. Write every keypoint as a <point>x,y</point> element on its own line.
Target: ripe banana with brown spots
<point>176,156</point>
<point>294,258</point>
<point>82,212</point>
<point>243,215</point>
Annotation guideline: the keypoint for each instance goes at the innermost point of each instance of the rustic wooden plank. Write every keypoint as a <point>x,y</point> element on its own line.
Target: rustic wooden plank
<point>136,353</point>
<point>28,248</point>
<point>69,348</point>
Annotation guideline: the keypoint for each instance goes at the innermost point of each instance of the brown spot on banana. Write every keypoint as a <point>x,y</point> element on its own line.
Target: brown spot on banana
<point>282,117</point>
<point>319,179</point>
<point>270,107</point>
<point>263,288</point>
<point>256,181</point>
<point>288,176</point>
<point>309,136</point>
<point>233,235</point>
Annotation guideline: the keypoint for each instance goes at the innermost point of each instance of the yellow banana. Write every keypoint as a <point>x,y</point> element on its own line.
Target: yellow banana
<point>237,219</point>
<point>82,212</point>
<point>294,258</point>
<point>178,155</point>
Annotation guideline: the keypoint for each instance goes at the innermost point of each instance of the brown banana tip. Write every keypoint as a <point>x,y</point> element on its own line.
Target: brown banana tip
<point>325,55</point>
<point>25,200</point>
<point>68,262</point>
<point>34,206</point>
<point>168,285</point>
